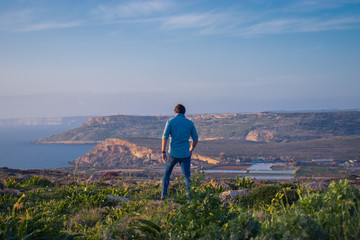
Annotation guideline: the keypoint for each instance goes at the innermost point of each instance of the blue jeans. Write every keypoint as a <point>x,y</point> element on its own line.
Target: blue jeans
<point>185,167</point>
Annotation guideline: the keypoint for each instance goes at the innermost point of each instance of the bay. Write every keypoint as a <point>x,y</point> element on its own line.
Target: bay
<point>18,151</point>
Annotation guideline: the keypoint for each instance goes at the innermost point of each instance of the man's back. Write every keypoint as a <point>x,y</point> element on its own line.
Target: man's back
<point>179,129</point>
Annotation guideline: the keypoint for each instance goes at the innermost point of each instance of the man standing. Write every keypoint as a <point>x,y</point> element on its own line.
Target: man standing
<point>179,129</point>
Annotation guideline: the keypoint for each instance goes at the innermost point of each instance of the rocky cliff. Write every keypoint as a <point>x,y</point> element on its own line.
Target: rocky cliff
<point>117,153</point>
<point>260,135</point>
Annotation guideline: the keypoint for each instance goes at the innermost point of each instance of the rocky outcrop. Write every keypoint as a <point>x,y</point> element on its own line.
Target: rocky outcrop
<point>260,135</point>
<point>232,195</point>
<point>205,159</point>
<point>220,184</point>
<point>118,153</point>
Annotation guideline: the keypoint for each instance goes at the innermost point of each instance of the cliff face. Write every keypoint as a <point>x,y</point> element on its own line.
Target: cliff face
<point>260,135</point>
<point>118,153</point>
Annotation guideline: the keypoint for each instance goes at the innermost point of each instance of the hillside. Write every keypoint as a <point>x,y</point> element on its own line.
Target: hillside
<point>255,127</point>
<point>117,153</point>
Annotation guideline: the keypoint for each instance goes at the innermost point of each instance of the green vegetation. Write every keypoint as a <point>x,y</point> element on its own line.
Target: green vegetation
<point>38,209</point>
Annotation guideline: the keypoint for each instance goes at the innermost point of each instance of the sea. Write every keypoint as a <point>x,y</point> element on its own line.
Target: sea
<point>18,151</point>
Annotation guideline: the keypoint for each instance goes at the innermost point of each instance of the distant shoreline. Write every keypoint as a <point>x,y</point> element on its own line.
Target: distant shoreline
<point>67,142</point>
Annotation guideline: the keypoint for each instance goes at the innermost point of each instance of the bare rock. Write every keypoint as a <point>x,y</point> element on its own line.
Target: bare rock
<point>112,182</point>
<point>109,175</point>
<point>117,199</point>
<point>317,185</point>
<point>260,135</point>
<point>9,192</point>
<point>92,178</point>
<point>61,182</point>
<point>218,183</point>
<point>232,195</point>
<point>117,153</point>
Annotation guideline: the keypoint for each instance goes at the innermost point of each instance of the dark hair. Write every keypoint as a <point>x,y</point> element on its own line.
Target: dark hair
<point>180,109</point>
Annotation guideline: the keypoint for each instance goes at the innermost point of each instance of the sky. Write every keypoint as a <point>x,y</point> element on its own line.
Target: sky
<point>95,58</point>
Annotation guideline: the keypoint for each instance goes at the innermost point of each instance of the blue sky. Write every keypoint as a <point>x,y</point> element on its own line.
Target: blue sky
<point>70,58</point>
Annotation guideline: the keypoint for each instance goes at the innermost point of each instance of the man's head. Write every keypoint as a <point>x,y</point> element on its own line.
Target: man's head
<point>179,109</point>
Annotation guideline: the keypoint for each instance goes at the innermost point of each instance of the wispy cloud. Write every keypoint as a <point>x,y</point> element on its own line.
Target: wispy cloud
<point>50,26</point>
<point>292,25</point>
<point>232,20</point>
<point>193,20</point>
<point>315,5</point>
<point>12,20</point>
<point>131,9</point>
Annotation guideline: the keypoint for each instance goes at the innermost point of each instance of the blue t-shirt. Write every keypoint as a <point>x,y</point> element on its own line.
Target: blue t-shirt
<point>180,129</point>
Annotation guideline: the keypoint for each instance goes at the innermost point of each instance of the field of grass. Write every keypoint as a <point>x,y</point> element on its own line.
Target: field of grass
<point>39,208</point>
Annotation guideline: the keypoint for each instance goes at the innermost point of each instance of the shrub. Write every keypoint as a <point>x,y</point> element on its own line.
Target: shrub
<point>201,218</point>
<point>337,210</point>
<point>243,227</point>
<point>243,182</point>
<point>37,181</point>
<point>12,182</point>
<point>293,224</point>
<point>290,196</point>
<point>261,196</point>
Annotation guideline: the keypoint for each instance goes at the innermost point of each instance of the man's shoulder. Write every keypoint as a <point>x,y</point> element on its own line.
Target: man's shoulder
<point>171,119</point>
<point>180,120</point>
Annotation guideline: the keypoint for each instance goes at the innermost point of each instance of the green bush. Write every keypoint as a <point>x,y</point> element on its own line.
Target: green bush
<point>243,227</point>
<point>37,181</point>
<point>243,182</point>
<point>337,210</point>
<point>203,217</point>
<point>260,196</point>
<point>12,182</point>
<point>293,224</point>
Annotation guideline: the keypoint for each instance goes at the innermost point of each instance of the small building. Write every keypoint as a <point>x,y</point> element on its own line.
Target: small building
<point>257,160</point>
<point>325,161</point>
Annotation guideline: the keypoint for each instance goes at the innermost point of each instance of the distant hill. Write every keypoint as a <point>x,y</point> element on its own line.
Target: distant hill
<point>255,127</point>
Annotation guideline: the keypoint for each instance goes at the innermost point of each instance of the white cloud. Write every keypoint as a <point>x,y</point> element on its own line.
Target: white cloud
<point>49,26</point>
<point>192,21</point>
<point>132,9</point>
<point>280,26</point>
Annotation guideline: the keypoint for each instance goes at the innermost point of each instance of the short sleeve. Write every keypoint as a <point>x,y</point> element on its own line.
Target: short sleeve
<point>194,134</point>
<point>166,132</point>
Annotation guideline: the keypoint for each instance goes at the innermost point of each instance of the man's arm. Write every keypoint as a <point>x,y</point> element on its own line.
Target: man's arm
<point>193,145</point>
<point>194,137</point>
<point>163,149</point>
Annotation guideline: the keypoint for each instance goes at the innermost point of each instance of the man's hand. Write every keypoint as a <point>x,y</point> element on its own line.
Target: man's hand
<point>164,157</point>
<point>163,147</point>
<point>193,145</point>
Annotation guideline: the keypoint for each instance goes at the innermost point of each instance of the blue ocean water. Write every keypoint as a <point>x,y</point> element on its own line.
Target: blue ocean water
<point>17,151</point>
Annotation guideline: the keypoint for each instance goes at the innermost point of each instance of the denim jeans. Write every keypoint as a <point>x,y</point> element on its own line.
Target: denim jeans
<point>169,165</point>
